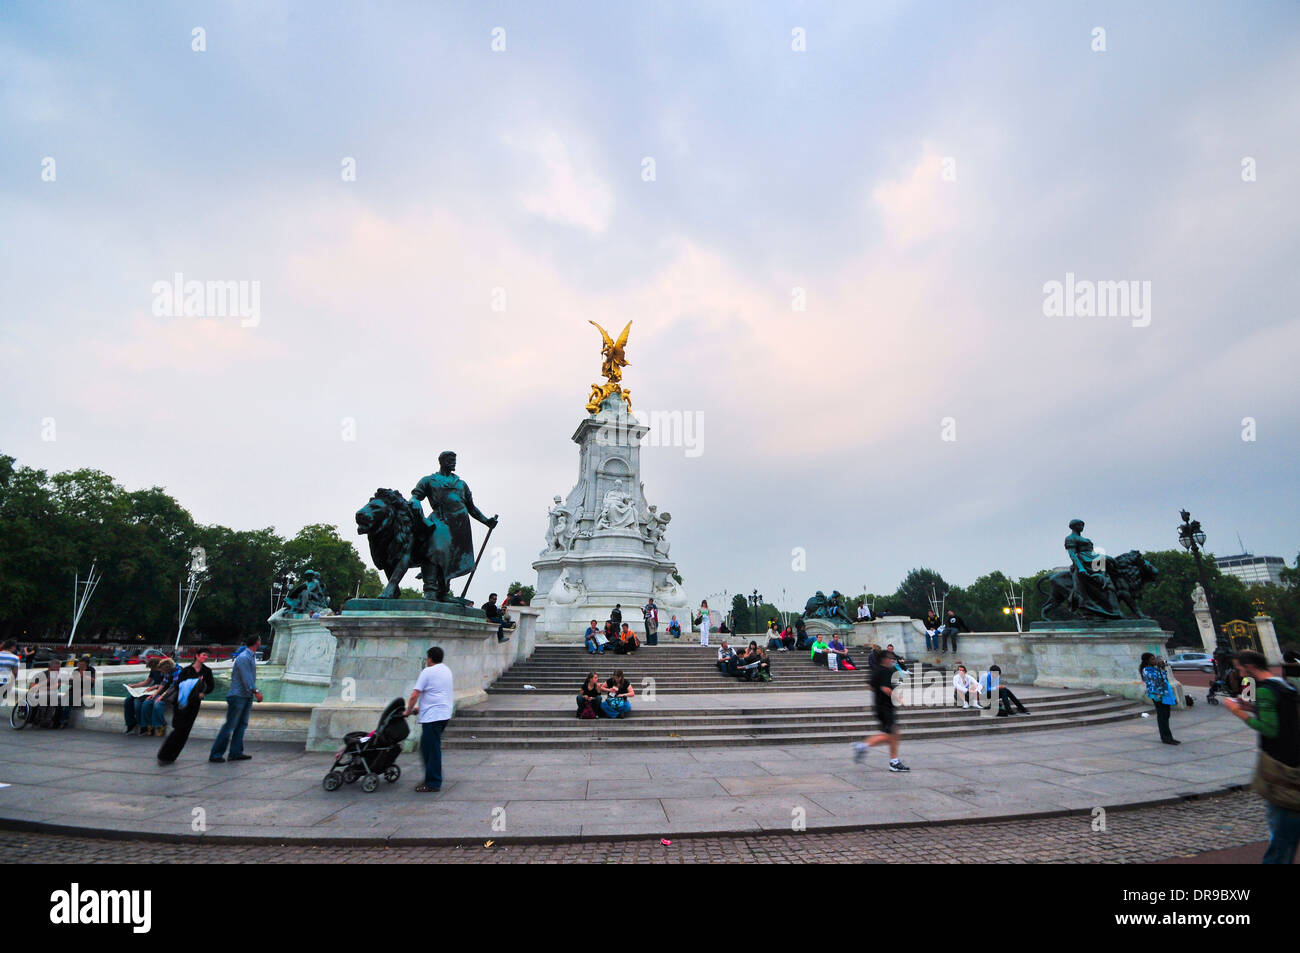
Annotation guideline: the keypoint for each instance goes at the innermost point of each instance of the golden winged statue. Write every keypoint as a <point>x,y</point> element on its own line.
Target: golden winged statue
<point>612,364</point>
<point>612,352</point>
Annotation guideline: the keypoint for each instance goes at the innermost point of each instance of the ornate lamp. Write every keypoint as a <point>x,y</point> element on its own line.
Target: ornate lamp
<point>1192,537</point>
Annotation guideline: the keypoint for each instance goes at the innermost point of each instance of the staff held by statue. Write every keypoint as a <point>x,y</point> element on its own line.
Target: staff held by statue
<point>479,558</point>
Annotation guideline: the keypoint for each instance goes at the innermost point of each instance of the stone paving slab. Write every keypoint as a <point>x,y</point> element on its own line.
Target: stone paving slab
<point>112,783</point>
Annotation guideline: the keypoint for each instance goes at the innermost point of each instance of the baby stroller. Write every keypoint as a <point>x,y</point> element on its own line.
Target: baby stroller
<point>1226,680</point>
<point>368,754</point>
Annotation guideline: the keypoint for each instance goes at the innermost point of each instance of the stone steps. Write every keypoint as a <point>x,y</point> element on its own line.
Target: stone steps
<point>646,727</point>
<point>648,712</point>
<point>556,670</point>
<point>605,734</point>
<point>643,722</point>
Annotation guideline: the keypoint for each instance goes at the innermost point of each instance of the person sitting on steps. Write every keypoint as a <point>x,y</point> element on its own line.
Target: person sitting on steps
<point>618,696</point>
<point>595,639</point>
<point>1006,698</point>
<point>627,641</point>
<point>962,686</point>
<point>747,665</point>
<point>589,697</point>
<point>837,646</point>
<point>494,614</point>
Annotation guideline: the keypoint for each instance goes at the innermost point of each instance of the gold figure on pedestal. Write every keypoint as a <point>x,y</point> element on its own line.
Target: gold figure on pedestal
<point>612,364</point>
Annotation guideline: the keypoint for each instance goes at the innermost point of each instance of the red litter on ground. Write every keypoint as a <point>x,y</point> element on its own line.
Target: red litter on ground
<point>665,842</point>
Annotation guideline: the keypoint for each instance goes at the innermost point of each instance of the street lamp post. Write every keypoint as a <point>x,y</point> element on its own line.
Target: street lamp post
<point>1191,536</point>
<point>755,600</point>
<point>1015,605</point>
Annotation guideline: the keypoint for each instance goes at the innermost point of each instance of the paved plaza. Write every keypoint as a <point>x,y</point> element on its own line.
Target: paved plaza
<point>1216,829</point>
<point>94,783</point>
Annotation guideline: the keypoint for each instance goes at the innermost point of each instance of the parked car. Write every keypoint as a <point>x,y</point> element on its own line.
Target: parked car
<point>144,657</point>
<point>1191,662</point>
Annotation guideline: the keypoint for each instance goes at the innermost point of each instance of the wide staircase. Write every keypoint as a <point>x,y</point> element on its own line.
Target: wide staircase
<point>702,707</point>
<point>675,669</point>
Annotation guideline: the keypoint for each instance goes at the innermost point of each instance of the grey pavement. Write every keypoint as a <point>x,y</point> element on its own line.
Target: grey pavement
<point>91,782</point>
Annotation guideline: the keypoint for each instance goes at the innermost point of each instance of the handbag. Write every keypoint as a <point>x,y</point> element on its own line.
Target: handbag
<point>1276,782</point>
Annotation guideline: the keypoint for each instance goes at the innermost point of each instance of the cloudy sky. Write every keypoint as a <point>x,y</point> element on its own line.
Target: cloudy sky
<point>914,177</point>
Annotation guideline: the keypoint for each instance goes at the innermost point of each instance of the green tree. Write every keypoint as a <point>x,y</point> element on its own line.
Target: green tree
<point>1169,599</point>
<point>982,602</point>
<point>236,596</point>
<point>526,591</point>
<point>319,546</point>
<point>742,618</point>
<point>28,540</point>
<point>913,594</point>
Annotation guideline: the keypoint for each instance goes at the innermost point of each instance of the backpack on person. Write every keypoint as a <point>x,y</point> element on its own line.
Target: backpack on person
<point>1277,770</point>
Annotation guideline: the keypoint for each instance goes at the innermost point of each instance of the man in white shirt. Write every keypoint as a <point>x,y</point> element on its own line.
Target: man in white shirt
<point>433,699</point>
<point>9,664</point>
<point>864,614</point>
<point>726,659</point>
<point>962,685</point>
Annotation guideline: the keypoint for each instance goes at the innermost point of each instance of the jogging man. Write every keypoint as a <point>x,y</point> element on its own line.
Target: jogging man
<point>882,679</point>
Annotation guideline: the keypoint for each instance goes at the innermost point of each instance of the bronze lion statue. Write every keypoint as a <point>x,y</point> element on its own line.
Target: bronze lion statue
<point>1129,572</point>
<point>400,537</point>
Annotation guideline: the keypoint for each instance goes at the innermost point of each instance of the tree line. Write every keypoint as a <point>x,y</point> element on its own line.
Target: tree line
<point>53,526</point>
<point>981,604</point>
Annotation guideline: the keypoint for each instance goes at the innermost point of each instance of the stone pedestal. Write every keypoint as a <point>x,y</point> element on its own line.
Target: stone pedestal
<point>1053,655</point>
<point>1205,625</point>
<point>591,563</point>
<point>304,647</point>
<point>1268,639</point>
<point>906,634</point>
<point>380,653</point>
<point>1101,657</point>
<point>825,630</point>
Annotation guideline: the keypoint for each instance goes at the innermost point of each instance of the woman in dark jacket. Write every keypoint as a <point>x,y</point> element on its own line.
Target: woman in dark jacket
<point>590,694</point>
<point>185,695</point>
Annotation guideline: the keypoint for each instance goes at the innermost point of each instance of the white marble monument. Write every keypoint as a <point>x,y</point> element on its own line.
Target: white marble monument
<point>605,544</point>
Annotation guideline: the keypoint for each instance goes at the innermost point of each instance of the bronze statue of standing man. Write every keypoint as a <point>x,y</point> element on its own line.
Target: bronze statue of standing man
<point>451,501</point>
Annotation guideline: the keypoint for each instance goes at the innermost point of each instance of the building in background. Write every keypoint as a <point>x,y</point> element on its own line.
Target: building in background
<point>1252,569</point>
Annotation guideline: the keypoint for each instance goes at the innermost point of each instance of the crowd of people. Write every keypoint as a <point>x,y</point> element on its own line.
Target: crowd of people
<point>168,688</point>
<point>52,691</point>
<point>750,665</point>
<point>615,634</point>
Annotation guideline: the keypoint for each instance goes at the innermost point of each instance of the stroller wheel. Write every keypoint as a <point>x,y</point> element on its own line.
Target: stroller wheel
<point>370,784</point>
<point>333,781</point>
<point>392,774</point>
<point>1212,699</point>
